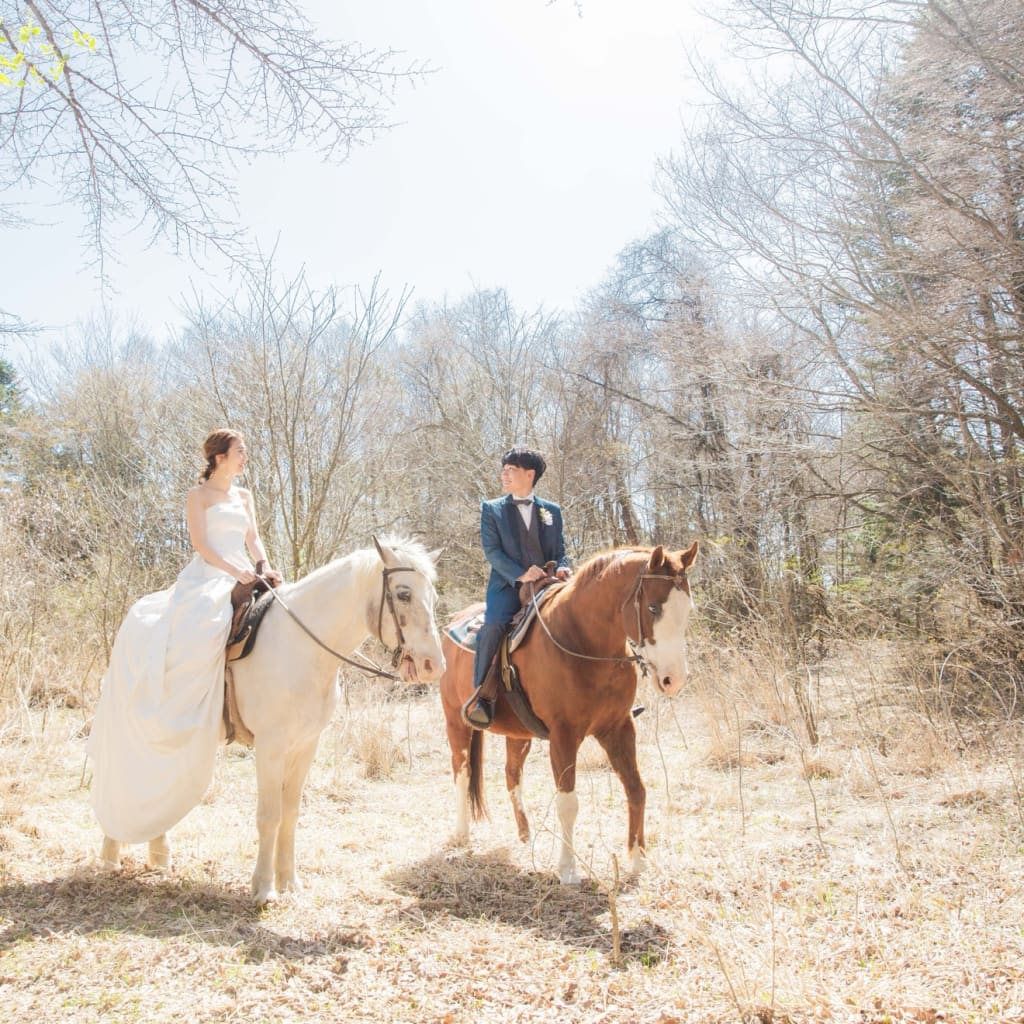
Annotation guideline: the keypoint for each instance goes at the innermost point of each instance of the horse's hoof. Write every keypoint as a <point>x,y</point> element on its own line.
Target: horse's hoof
<point>289,885</point>
<point>458,840</point>
<point>110,854</point>
<point>264,899</point>
<point>263,891</point>
<point>569,877</point>
<point>637,863</point>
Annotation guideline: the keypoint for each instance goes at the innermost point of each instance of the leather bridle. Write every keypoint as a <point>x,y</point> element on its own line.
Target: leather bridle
<point>387,597</point>
<point>678,581</point>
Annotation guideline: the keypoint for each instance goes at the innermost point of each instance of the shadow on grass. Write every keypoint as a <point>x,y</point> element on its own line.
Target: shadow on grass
<point>143,903</point>
<point>490,887</point>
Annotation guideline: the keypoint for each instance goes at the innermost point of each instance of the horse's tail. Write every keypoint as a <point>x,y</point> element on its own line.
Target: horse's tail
<point>477,803</point>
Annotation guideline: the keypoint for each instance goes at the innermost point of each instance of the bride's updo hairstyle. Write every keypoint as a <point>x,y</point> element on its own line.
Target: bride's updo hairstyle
<point>217,443</point>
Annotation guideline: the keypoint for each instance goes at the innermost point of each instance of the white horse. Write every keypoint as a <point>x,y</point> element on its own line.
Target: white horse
<point>287,688</point>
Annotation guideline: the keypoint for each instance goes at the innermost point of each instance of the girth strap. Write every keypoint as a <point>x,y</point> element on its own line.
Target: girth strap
<point>516,695</point>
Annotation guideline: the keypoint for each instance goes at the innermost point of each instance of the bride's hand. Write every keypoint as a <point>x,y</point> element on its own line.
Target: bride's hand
<point>244,576</point>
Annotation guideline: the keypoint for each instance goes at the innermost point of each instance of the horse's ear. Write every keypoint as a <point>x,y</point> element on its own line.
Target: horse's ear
<point>689,556</point>
<point>386,555</point>
<point>435,555</point>
<point>657,559</point>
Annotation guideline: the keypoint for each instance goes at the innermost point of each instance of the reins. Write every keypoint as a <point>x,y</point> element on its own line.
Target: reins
<point>635,593</point>
<point>386,595</point>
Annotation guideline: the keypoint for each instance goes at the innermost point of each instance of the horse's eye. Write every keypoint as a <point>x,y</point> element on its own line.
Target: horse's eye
<point>655,610</point>
<point>404,594</point>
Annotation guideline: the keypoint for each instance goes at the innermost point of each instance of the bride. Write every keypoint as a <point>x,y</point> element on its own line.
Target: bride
<point>158,722</point>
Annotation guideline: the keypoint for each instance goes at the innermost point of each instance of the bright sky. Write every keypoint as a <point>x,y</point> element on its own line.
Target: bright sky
<point>526,162</point>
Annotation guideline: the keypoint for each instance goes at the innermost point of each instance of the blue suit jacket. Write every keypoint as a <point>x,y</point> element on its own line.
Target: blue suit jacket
<point>499,536</point>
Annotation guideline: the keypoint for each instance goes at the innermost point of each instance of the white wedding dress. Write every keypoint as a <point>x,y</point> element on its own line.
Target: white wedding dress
<point>158,722</point>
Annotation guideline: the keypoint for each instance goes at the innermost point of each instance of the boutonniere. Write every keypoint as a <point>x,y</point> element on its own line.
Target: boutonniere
<point>545,515</point>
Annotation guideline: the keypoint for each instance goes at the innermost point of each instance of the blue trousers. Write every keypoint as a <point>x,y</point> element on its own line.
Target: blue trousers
<point>488,640</point>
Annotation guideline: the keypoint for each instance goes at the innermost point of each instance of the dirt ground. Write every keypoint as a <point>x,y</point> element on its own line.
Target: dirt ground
<point>861,881</point>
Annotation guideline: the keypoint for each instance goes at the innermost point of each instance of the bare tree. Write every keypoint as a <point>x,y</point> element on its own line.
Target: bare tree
<point>692,423</point>
<point>307,384</point>
<point>866,201</point>
<point>475,381</point>
<point>96,494</point>
<point>138,112</point>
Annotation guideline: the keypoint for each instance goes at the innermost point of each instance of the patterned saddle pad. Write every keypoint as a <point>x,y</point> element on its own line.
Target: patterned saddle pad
<point>464,629</point>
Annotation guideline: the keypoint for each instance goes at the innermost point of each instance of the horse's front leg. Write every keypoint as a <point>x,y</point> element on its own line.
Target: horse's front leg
<point>459,736</point>
<point>563,750</point>
<point>515,757</point>
<point>269,783</point>
<point>620,746</point>
<point>159,856</point>
<point>295,779</point>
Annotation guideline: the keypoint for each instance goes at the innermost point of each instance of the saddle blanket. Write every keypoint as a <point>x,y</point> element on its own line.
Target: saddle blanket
<point>463,630</point>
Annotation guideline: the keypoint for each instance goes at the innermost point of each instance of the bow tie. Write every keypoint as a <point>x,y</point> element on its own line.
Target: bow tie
<point>522,501</point>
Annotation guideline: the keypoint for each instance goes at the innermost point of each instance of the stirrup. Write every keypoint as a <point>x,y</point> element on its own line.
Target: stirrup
<point>478,712</point>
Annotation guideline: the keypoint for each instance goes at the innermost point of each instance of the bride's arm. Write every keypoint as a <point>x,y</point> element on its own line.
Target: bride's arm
<point>253,540</point>
<point>196,512</point>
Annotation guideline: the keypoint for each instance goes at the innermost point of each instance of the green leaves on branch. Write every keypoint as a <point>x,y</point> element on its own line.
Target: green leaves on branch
<point>33,59</point>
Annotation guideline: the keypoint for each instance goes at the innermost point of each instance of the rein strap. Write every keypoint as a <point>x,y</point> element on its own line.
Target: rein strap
<point>678,581</point>
<point>370,669</point>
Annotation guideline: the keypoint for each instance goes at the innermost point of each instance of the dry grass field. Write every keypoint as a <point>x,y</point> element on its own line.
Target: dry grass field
<point>876,876</point>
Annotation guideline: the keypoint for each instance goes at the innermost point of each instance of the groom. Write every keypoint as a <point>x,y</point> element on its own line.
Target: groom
<point>519,533</point>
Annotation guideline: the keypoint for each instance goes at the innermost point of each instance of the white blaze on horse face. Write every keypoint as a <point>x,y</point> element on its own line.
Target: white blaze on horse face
<point>425,649</point>
<point>424,660</point>
<point>667,653</point>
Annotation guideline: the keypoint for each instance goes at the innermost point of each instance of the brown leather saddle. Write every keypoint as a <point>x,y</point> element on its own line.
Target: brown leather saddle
<point>249,603</point>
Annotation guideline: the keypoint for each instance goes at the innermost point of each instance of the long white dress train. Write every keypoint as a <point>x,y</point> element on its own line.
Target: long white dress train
<point>157,726</point>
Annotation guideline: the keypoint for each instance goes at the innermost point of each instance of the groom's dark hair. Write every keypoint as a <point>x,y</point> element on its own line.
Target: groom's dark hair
<point>525,458</point>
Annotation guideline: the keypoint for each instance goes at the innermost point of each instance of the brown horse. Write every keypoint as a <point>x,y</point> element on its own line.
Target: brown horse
<point>578,666</point>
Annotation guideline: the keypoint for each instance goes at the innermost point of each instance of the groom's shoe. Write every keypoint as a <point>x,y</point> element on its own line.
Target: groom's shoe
<point>478,712</point>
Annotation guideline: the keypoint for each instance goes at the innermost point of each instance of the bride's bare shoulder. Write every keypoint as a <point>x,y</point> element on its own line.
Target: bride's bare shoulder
<point>201,496</point>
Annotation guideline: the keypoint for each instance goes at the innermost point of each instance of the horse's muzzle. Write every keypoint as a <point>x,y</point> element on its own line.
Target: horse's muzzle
<point>671,685</point>
<point>421,670</point>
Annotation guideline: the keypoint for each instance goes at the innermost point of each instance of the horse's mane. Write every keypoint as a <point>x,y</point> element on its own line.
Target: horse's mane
<point>409,552</point>
<point>597,564</point>
<point>366,560</point>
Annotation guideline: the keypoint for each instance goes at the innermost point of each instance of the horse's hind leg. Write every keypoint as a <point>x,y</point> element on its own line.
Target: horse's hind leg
<point>515,756</point>
<point>159,856</point>
<point>110,854</point>
<point>295,780</point>
<point>620,746</point>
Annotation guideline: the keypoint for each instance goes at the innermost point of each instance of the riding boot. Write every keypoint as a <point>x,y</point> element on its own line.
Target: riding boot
<point>480,713</point>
